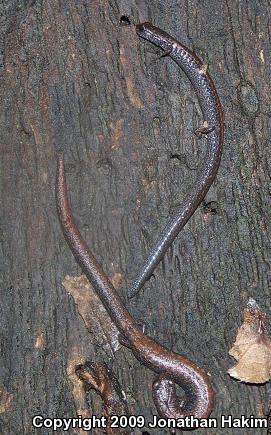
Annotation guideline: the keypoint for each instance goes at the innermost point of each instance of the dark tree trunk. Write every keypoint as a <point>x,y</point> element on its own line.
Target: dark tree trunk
<point>75,75</point>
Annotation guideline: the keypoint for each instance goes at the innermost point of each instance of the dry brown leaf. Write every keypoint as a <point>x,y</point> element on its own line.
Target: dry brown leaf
<point>5,399</point>
<point>252,347</point>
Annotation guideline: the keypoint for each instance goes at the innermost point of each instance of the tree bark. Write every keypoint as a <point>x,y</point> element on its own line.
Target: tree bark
<point>74,75</point>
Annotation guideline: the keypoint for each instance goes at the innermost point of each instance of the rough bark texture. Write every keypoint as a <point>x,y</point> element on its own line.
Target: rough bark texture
<point>75,75</point>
